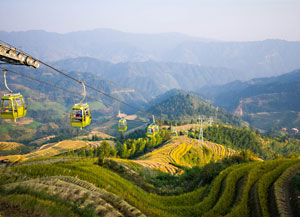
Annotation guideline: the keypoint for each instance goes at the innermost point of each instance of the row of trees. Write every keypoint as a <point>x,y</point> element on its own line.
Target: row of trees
<point>129,149</point>
<point>135,147</point>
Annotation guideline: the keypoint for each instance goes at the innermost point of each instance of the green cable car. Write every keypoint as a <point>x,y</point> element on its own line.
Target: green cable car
<point>80,115</point>
<point>122,125</point>
<point>13,106</point>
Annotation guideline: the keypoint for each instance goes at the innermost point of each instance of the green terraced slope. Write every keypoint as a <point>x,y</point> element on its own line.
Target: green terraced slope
<point>83,188</point>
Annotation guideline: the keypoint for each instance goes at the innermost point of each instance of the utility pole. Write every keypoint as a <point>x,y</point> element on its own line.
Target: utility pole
<point>200,130</point>
<point>210,120</point>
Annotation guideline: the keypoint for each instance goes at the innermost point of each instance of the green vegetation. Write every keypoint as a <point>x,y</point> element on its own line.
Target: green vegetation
<point>265,182</point>
<point>289,177</point>
<point>184,107</point>
<point>245,139</point>
<point>236,138</point>
<point>215,199</point>
<point>136,147</point>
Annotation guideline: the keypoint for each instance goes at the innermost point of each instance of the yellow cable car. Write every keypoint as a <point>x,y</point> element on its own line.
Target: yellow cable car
<point>80,115</point>
<point>173,132</point>
<point>122,125</point>
<point>152,128</point>
<point>156,128</point>
<point>13,106</point>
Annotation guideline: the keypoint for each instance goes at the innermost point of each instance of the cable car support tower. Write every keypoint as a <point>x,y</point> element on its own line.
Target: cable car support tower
<point>200,119</point>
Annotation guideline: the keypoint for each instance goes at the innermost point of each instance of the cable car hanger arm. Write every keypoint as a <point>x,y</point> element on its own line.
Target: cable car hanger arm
<point>4,75</point>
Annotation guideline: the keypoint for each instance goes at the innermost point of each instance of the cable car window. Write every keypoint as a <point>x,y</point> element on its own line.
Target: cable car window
<point>5,103</point>
<point>77,113</point>
<point>24,103</point>
<point>87,112</point>
<point>19,102</point>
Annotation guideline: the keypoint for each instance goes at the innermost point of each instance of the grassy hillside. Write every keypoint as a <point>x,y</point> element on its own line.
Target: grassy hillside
<point>79,187</point>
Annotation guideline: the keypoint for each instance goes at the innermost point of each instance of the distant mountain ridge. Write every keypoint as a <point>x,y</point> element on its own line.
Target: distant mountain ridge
<point>265,102</point>
<point>251,59</point>
<point>150,78</point>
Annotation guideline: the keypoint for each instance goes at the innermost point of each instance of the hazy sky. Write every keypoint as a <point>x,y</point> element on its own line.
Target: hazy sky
<point>236,20</point>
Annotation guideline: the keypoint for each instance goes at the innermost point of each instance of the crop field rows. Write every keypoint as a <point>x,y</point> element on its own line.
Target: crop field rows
<point>103,191</point>
<point>7,146</point>
<point>161,158</point>
<point>178,152</point>
<point>47,150</point>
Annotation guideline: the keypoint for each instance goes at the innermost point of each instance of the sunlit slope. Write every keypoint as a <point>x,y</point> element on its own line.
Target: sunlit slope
<point>47,150</point>
<point>185,152</point>
<point>8,146</point>
<point>240,190</point>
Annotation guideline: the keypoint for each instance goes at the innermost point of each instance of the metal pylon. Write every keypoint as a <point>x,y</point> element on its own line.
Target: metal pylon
<point>200,130</point>
<point>210,120</point>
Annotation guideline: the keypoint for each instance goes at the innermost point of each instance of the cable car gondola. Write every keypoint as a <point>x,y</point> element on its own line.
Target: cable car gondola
<point>13,106</point>
<point>186,133</point>
<point>173,132</point>
<point>80,115</point>
<point>152,128</point>
<point>122,125</point>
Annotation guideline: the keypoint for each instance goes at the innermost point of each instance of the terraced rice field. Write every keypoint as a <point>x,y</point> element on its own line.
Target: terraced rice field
<point>175,152</point>
<point>47,150</point>
<point>8,146</point>
<point>240,190</point>
<point>161,158</point>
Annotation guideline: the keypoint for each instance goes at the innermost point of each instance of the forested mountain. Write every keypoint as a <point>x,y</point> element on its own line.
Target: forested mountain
<point>266,102</point>
<point>186,106</point>
<point>166,95</point>
<point>250,59</point>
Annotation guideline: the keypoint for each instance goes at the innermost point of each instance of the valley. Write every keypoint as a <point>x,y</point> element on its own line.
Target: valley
<point>112,123</point>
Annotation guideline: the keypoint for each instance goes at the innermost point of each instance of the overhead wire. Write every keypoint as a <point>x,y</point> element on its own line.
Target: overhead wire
<point>51,85</point>
<point>89,86</point>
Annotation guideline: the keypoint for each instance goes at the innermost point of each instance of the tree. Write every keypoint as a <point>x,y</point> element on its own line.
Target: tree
<point>90,152</point>
<point>101,160</point>
<point>123,153</point>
